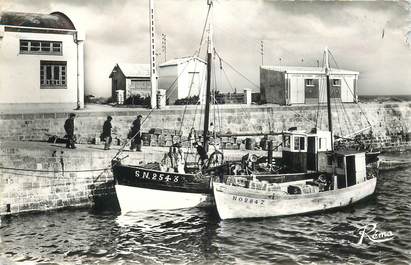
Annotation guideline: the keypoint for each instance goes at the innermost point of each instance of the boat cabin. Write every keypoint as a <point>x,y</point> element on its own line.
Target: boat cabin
<point>349,168</point>
<point>306,152</point>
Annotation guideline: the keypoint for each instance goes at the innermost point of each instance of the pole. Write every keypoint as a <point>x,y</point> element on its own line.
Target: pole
<point>153,73</point>
<point>208,87</point>
<point>327,74</point>
<point>262,52</point>
<point>77,77</point>
<point>270,153</point>
<point>164,44</point>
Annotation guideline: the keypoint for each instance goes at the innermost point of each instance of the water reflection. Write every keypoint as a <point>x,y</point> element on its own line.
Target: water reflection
<point>197,236</point>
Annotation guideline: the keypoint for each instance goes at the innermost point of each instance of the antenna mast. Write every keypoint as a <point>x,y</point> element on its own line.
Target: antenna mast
<point>153,63</point>
<point>262,51</point>
<point>327,76</point>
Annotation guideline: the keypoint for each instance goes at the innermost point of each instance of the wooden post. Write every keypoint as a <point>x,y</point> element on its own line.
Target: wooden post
<point>270,152</point>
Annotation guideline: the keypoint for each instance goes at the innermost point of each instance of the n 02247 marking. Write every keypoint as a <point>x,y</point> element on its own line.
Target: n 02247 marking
<point>248,200</point>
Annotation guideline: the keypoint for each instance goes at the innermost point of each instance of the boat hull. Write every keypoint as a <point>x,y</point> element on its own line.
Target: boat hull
<point>234,202</point>
<point>141,189</point>
<point>134,199</point>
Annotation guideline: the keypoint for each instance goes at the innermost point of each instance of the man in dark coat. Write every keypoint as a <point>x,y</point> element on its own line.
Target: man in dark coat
<point>202,153</point>
<point>106,135</point>
<point>136,133</point>
<point>69,128</point>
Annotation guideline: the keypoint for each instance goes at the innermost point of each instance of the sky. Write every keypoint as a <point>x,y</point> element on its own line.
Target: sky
<point>370,37</point>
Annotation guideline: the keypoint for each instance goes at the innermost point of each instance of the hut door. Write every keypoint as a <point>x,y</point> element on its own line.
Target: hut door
<point>311,154</point>
<point>351,175</point>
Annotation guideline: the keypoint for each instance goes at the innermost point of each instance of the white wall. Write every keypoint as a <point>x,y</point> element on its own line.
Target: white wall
<point>297,88</point>
<point>20,73</point>
<point>181,73</point>
<point>189,86</point>
<point>167,75</point>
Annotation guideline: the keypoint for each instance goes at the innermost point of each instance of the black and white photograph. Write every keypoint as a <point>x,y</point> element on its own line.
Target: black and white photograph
<point>205,132</point>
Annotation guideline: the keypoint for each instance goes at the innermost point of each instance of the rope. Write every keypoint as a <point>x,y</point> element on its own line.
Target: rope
<point>349,89</point>
<point>54,171</point>
<point>238,72</point>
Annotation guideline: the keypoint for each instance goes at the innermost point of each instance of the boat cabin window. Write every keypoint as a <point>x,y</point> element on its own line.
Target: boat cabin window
<point>340,162</point>
<point>287,141</point>
<point>299,143</point>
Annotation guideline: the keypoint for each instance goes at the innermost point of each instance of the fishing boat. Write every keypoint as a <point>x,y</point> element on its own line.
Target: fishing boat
<point>150,187</point>
<point>328,178</point>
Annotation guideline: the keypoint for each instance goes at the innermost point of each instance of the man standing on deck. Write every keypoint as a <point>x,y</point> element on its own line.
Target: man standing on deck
<point>106,135</point>
<point>202,153</point>
<point>69,128</point>
<point>135,134</point>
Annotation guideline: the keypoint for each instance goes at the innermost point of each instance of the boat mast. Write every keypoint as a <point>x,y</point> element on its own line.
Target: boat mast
<point>327,76</point>
<point>153,63</point>
<point>208,87</point>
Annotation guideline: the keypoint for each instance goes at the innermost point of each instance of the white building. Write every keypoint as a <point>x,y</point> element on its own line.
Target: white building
<point>288,85</point>
<point>133,79</point>
<point>41,59</point>
<point>183,77</point>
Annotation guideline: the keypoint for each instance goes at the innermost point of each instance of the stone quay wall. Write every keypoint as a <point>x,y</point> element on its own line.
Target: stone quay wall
<point>391,123</point>
<point>37,176</point>
<point>43,176</point>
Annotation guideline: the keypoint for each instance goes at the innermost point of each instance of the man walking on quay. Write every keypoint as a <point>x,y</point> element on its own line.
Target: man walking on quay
<point>106,135</point>
<point>136,133</point>
<point>69,128</point>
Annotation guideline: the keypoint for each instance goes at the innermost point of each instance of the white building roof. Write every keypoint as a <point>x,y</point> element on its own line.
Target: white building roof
<point>307,70</point>
<point>134,69</point>
<point>182,60</point>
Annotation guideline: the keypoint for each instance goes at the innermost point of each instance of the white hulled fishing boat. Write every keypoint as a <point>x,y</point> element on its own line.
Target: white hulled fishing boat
<point>329,178</point>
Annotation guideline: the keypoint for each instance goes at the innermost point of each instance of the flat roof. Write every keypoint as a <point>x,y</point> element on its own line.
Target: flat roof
<point>178,61</point>
<point>307,70</point>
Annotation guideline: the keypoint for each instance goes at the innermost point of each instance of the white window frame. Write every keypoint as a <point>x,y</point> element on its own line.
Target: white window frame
<point>309,82</point>
<point>299,143</point>
<point>50,68</point>
<point>41,47</point>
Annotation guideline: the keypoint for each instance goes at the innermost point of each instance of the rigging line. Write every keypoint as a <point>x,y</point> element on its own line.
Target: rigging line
<point>86,183</point>
<point>344,115</point>
<point>174,88</point>
<point>189,93</point>
<point>220,124</point>
<point>196,53</point>
<point>235,70</point>
<point>311,121</point>
<point>132,138</point>
<point>204,30</point>
<point>245,114</point>
<point>349,89</point>
<point>214,107</point>
<point>338,117</point>
<point>347,118</point>
<point>54,171</point>
<point>319,95</point>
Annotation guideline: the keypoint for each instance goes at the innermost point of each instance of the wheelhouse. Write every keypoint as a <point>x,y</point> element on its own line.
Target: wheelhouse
<point>306,152</point>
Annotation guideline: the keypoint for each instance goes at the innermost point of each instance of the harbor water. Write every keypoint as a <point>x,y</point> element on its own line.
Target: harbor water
<point>197,236</point>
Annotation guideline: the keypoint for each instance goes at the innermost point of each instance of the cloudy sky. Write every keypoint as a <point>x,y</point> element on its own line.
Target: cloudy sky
<point>369,37</point>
